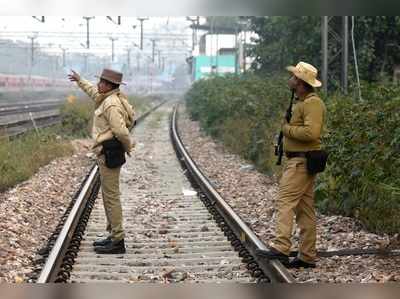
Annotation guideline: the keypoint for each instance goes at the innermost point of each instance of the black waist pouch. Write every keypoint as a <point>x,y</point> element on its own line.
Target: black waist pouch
<point>316,161</point>
<point>114,153</point>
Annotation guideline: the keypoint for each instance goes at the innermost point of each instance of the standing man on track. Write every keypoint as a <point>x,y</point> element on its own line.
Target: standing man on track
<point>302,147</point>
<point>113,116</point>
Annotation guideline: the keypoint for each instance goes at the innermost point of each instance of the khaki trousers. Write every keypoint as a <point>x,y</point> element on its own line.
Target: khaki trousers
<point>296,198</point>
<point>109,178</point>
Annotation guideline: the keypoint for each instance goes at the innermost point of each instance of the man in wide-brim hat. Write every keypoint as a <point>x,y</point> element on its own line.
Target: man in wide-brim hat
<point>113,116</point>
<point>296,189</point>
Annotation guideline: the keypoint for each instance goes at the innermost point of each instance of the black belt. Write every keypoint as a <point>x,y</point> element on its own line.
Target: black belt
<point>295,154</point>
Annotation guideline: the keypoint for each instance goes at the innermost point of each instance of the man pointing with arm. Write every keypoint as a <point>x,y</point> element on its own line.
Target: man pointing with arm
<point>113,116</point>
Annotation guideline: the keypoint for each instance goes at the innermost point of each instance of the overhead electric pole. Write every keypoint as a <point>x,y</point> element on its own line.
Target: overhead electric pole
<point>141,20</point>
<point>63,56</point>
<point>138,61</point>
<point>159,58</point>
<point>153,41</point>
<point>32,38</point>
<point>112,48</point>
<point>324,42</point>
<point>334,44</point>
<point>87,31</point>
<point>128,60</point>
<point>345,54</point>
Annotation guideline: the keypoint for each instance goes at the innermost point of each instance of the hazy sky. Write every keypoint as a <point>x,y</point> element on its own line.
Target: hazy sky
<point>169,33</point>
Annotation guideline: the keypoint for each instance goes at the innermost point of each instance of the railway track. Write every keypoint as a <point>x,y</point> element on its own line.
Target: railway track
<point>177,226</point>
<point>19,118</point>
<point>26,107</point>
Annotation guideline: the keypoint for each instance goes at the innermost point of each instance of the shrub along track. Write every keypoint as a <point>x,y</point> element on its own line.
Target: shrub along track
<point>175,231</point>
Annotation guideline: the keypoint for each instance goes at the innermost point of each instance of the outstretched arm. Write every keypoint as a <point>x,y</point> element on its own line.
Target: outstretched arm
<point>85,85</point>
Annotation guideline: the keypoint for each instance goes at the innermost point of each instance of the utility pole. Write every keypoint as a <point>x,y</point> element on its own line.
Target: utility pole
<point>345,53</point>
<point>334,43</point>
<point>63,56</point>
<point>153,41</point>
<point>112,48</point>
<point>236,51</point>
<point>86,64</point>
<point>128,60</point>
<point>195,24</point>
<point>32,38</point>
<point>141,20</point>
<point>87,31</point>
<point>138,61</point>
<point>159,59</point>
<point>324,41</point>
<point>244,23</point>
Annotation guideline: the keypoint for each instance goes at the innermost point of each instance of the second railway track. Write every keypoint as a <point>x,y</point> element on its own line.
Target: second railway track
<point>175,230</point>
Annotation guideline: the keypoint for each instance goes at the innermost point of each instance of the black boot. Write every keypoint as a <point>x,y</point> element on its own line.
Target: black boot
<point>298,263</point>
<point>102,242</point>
<point>113,247</point>
<point>273,254</point>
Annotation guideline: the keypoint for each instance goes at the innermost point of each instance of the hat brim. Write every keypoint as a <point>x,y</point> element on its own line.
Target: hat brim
<point>313,83</point>
<point>115,82</point>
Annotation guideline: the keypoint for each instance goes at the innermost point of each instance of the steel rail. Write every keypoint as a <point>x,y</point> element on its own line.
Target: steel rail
<point>273,269</point>
<point>49,272</point>
<point>15,110</point>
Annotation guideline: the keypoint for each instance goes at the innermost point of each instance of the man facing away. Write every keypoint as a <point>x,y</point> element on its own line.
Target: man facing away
<point>113,116</point>
<point>296,189</point>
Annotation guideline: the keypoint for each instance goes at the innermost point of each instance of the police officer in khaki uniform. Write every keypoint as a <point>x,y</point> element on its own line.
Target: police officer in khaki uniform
<point>296,190</point>
<point>113,116</point>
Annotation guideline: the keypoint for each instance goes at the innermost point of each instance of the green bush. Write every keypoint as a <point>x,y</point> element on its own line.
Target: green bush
<point>23,156</point>
<point>76,118</point>
<point>363,175</point>
<point>241,111</point>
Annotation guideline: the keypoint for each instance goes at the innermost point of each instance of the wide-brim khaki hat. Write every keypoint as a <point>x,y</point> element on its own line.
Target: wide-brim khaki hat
<point>111,76</point>
<point>305,72</point>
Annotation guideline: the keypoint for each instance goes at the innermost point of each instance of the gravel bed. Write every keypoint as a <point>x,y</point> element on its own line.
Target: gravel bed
<point>252,194</point>
<point>30,211</point>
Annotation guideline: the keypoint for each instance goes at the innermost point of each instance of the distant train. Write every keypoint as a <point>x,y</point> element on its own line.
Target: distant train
<point>21,81</point>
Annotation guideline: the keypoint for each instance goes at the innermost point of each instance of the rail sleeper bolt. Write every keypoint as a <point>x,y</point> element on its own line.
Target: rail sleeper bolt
<point>67,267</point>
<point>235,243</point>
<point>243,252</point>
<point>252,266</point>
<point>257,273</point>
<point>231,237</point>
<point>64,275</point>
<point>248,259</point>
<point>226,229</point>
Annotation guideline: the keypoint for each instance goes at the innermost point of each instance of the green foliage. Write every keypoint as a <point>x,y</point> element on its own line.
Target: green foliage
<point>363,175</point>
<point>22,157</point>
<point>242,111</point>
<point>76,118</point>
<point>286,40</point>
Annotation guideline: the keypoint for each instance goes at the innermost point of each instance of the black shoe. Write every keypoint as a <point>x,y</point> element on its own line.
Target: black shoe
<point>102,242</point>
<point>273,254</point>
<point>113,247</point>
<point>298,263</point>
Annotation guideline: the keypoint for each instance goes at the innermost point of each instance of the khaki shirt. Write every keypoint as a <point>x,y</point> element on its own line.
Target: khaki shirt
<point>113,116</point>
<point>304,131</point>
